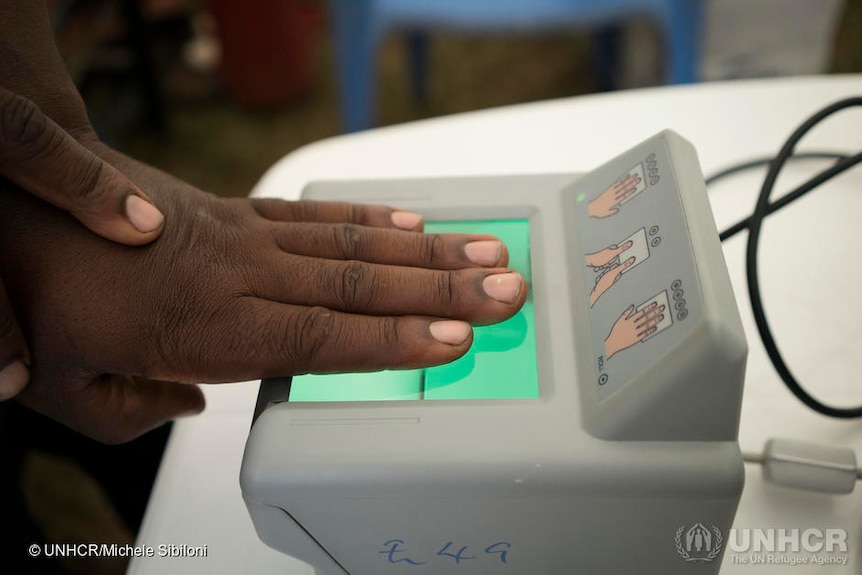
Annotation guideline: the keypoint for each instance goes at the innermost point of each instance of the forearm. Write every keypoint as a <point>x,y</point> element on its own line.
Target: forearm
<point>31,66</point>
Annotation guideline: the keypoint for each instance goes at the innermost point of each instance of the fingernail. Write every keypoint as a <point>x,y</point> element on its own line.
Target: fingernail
<point>406,220</point>
<point>13,379</point>
<point>503,287</point>
<point>484,252</point>
<point>450,331</point>
<point>144,216</point>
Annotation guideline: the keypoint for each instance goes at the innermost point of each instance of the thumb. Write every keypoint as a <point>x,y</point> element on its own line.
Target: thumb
<point>120,408</point>
<point>110,408</point>
<point>14,356</point>
<point>45,160</point>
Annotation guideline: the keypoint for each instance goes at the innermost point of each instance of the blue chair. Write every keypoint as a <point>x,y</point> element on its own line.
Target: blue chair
<point>360,25</point>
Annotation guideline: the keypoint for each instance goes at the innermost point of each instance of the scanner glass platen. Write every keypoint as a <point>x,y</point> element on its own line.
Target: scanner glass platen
<point>501,363</point>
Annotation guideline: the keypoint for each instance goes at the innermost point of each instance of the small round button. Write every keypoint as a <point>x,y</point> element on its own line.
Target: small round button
<point>603,379</point>
<point>677,295</point>
<point>676,285</point>
<point>655,241</point>
<point>682,314</point>
<point>679,304</point>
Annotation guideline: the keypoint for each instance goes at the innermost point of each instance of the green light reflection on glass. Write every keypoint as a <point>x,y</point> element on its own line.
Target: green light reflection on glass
<point>501,364</point>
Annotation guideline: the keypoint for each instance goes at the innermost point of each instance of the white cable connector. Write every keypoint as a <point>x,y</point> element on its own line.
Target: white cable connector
<point>808,466</point>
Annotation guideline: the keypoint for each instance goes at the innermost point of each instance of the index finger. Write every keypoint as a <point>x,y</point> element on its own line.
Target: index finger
<point>620,249</point>
<point>45,160</point>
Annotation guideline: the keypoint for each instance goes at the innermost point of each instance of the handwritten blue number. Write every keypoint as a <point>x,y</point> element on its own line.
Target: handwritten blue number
<point>502,548</point>
<point>459,556</point>
<point>393,548</point>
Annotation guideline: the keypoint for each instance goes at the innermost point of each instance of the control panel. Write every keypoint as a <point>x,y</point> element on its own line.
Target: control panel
<point>638,264</point>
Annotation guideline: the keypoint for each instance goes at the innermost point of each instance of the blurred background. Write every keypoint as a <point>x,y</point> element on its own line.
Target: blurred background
<point>216,91</point>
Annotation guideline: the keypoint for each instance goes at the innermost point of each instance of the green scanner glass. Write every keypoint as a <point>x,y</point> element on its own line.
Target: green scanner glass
<point>501,363</point>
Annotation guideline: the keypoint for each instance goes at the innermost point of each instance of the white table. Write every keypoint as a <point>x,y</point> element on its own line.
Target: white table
<point>196,499</point>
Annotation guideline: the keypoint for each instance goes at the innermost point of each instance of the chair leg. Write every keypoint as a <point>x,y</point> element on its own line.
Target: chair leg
<point>683,26</point>
<point>417,45</point>
<point>144,67</point>
<point>607,41</point>
<point>355,45</point>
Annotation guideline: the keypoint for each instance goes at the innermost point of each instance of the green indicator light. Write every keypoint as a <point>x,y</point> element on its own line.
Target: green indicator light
<point>581,197</point>
<point>501,363</point>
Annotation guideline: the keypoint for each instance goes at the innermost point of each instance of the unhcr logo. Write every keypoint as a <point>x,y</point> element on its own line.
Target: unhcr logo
<point>697,543</point>
<point>775,546</point>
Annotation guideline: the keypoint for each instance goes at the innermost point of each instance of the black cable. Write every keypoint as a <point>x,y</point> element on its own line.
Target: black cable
<point>842,165</point>
<point>760,162</point>
<point>754,225</point>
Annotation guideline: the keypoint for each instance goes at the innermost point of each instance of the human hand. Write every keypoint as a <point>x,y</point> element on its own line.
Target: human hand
<point>42,158</point>
<point>45,160</point>
<point>606,256</point>
<point>234,290</point>
<point>608,202</point>
<point>633,327</point>
<point>609,277</point>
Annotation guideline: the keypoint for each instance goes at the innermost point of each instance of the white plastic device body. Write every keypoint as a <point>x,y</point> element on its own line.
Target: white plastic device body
<point>626,461</point>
